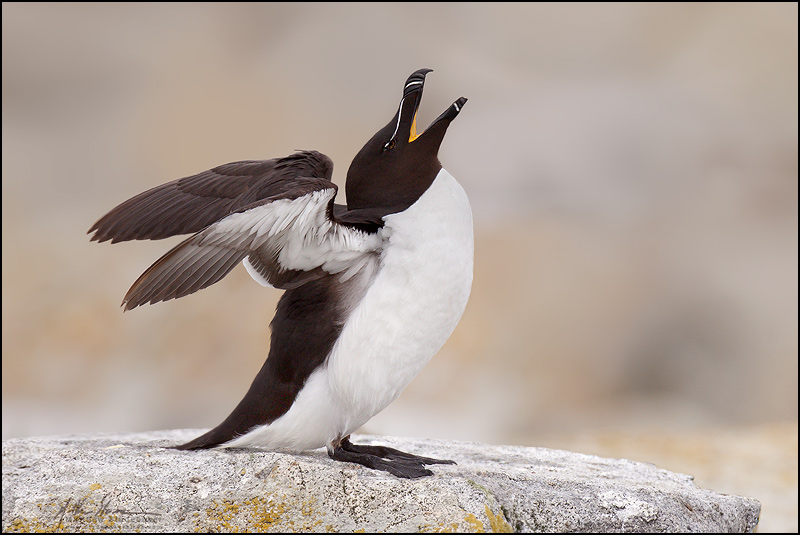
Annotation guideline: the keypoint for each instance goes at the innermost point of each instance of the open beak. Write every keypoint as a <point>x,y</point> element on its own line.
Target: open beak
<point>412,96</point>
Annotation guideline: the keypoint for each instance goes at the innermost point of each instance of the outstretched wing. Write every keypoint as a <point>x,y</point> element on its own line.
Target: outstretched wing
<point>189,204</point>
<point>268,214</point>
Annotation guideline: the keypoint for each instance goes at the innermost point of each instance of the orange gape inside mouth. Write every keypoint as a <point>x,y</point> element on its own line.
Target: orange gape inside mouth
<point>414,134</point>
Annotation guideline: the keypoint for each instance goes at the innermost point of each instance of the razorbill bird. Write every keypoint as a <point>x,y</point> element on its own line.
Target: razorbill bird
<point>373,289</point>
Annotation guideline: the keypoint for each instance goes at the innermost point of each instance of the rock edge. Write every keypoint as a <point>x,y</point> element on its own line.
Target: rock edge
<point>131,482</point>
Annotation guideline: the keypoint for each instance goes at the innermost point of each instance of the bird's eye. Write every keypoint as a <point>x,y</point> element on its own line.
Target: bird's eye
<point>389,145</point>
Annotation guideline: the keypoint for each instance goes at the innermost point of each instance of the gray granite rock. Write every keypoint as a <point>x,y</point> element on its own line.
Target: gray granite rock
<point>130,482</point>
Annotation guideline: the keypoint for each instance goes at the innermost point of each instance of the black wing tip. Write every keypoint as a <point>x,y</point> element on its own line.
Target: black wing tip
<point>99,235</point>
<point>130,302</point>
<point>203,442</point>
<point>100,238</point>
<point>189,446</point>
<point>126,305</point>
<point>102,234</point>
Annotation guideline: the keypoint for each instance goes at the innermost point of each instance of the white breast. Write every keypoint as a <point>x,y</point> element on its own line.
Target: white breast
<point>417,296</point>
<point>413,305</point>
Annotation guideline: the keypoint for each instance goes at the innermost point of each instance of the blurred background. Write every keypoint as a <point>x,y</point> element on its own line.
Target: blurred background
<point>633,175</point>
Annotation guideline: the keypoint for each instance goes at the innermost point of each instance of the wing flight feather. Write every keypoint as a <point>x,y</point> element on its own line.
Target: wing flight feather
<point>276,215</point>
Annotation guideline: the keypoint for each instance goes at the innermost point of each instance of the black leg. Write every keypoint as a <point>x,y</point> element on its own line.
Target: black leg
<point>391,454</point>
<point>396,462</point>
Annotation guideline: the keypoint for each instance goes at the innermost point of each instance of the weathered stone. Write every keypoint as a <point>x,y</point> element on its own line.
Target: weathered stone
<point>131,483</point>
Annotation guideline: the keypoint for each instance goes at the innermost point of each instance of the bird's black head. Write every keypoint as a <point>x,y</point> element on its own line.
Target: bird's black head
<point>398,165</point>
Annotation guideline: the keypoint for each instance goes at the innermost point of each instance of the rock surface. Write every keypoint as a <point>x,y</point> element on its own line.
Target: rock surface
<point>130,482</point>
